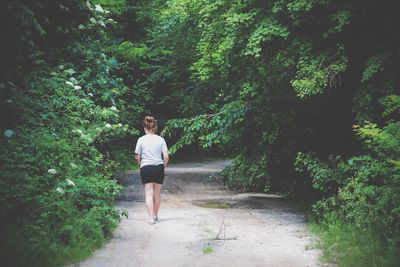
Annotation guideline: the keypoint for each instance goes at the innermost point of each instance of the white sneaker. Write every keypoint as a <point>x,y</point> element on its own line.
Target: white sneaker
<point>152,221</point>
<point>156,219</point>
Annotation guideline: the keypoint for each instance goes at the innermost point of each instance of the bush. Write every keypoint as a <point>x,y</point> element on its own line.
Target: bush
<point>360,217</point>
<point>57,189</point>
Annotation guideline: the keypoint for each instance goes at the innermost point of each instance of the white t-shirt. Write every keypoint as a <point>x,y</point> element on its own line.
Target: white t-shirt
<point>150,148</point>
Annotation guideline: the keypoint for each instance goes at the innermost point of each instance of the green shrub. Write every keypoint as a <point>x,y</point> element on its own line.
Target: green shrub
<point>135,53</point>
<point>57,189</point>
<point>247,173</point>
<point>349,245</point>
<point>360,217</point>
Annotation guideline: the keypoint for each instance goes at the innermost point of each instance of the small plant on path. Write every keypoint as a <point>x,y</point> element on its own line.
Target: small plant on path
<point>208,250</point>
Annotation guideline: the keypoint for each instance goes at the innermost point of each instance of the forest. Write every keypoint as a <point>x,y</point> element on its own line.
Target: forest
<point>302,95</point>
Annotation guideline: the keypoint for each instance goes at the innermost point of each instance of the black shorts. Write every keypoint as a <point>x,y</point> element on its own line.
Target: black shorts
<point>152,174</point>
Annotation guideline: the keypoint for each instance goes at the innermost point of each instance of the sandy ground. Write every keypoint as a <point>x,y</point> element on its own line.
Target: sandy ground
<point>240,229</point>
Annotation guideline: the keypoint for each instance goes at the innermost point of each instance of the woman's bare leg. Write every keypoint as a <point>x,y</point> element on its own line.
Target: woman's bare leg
<point>157,197</point>
<point>149,192</point>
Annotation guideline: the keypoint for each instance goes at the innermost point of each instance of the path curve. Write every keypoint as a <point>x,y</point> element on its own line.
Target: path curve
<point>243,230</point>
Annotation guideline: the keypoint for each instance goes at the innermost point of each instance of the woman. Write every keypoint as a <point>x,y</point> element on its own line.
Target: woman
<point>149,149</point>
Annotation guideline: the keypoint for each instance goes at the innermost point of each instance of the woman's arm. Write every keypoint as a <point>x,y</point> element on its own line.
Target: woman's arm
<point>166,159</point>
<point>137,158</point>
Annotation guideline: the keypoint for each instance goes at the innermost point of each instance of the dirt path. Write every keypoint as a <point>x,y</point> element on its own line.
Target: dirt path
<point>255,229</point>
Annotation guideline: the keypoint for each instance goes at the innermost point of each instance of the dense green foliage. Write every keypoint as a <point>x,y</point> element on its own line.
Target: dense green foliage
<point>305,95</point>
<point>67,108</point>
<point>302,93</point>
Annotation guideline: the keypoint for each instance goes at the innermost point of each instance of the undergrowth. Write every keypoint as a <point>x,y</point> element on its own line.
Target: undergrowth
<point>349,246</point>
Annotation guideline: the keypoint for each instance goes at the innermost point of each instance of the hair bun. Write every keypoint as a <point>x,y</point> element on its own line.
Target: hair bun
<point>149,119</point>
<point>150,123</point>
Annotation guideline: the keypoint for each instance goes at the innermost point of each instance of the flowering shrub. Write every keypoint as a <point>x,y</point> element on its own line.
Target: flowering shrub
<point>57,185</point>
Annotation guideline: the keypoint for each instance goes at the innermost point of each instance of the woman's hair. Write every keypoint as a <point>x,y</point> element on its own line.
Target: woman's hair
<point>150,124</point>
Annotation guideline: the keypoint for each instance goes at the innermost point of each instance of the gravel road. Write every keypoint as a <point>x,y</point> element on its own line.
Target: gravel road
<point>202,224</point>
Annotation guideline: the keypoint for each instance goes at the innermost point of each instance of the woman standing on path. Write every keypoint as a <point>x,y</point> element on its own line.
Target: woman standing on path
<point>149,149</point>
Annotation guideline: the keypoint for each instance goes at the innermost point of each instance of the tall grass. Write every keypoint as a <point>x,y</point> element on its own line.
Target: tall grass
<point>349,246</point>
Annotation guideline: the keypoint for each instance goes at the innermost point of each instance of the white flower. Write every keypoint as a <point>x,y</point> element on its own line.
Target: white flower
<point>90,94</point>
<point>101,23</point>
<point>77,87</point>
<point>98,8</point>
<point>114,108</point>
<point>69,182</point>
<point>73,80</point>
<point>70,71</point>
<point>69,83</point>
<point>108,125</point>
<point>60,190</point>
<point>88,5</point>
<point>120,124</point>
<point>111,20</point>
<point>73,165</point>
<point>52,171</point>
<point>9,101</point>
<point>9,133</point>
